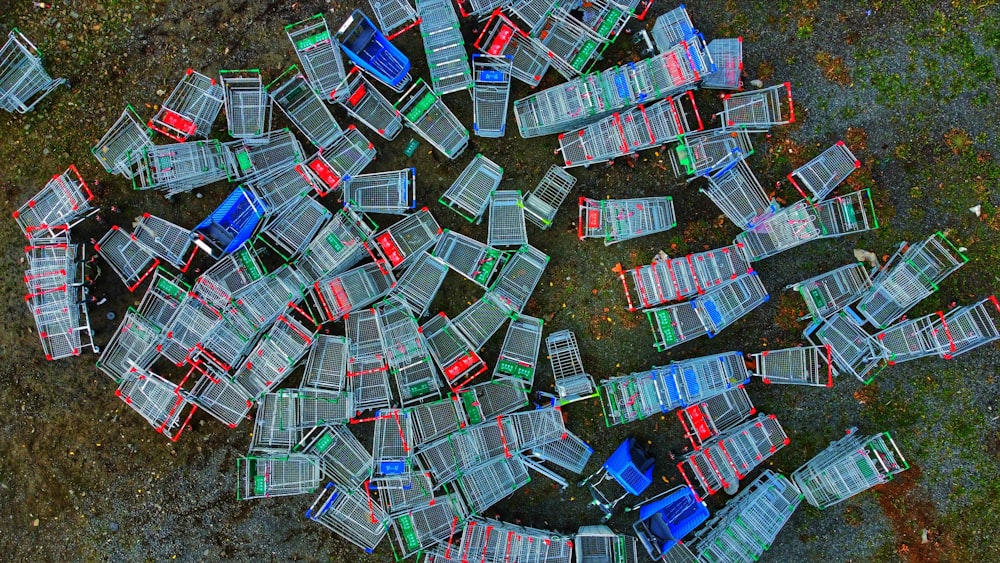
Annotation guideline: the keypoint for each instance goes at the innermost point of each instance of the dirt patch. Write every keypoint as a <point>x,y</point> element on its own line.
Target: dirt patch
<point>911,514</point>
<point>833,68</point>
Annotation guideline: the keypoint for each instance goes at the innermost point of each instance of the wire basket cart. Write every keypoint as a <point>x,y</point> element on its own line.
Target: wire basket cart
<point>914,338</point>
<point>481,320</point>
<point>190,109</point>
<point>568,451</point>
<point>672,27</point>
<point>246,103</point>
<point>162,298</point>
<point>572,382</point>
<point>319,55</point>
<point>133,344</point>
<point>366,104</point>
<point>696,380</point>
<point>492,482</point>
<point>847,214</point>
<point>474,260</point>
<point>337,247</point>
<point>165,239</point>
<point>131,260</point>
<point>120,148</point>
<point>406,352</point>
<point>282,187</point>
<point>393,447</point>
<point>818,177</point>
<point>600,543</point>
<point>365,353</point>
<point>216,394</point>
<point>394,16</point>
<point>349,513</point>
<point>968,327</point>
<point>420,283</point>
<point>654,284</point>
<point>490,94</point>
<point>715,415</point>
<point>666,518</point>
<point>454,354</point>
<point>542,203</point>
<point>275,357</point>
<point>601,141</point>
<point>392,192</point>
<point>518,358</point>
<point>628,398</point>
<point>912,274</point>
<point>23,80</point>
<point>321,407</point>
<point>849,466</point>
<point>674,324</point>
<point>727,53</point>
<point>506,226</point>
<point>294,227</point>
<point>339,455</point>
<point>62,203</point>
<point>572,47</point>
<point>829,292</point>
<point>729,302</point>
<point>328,169</point>
<point>426,113</point>
<point>488,400</point>
<point>408,237</point>
<point>266,299</point>
<point>469,194</point>
<point>304,108</point>
<point>422,528</point>
<point>713,268</point>
<point>746,527</point>
<point>591,222</point>
<point>787,228</point>
<point>433,420</point>
<point>276,475</point>
<point>229,274</point>
<point>365,45</point>
<point>701,153</point>
<point>275,429</point>
<point>519,277</point>
<point>326,364</point>
<point>258,159</point>
<point>758,110</point>
<point>853,350</point>
<point>738,193</point>
<point>349,291</point>
<point>723,461</point>
<point>803,365</point>
<point>157,400</point>
<point>444,46</point>
<point>561,108</point>
<point>626,219</point>
<point>501,37</point>
<point>180,167</point>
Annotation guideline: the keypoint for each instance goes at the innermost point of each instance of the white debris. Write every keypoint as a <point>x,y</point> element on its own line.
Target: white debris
<point>978,210</point>
<point>866,256</point>
<point>757,83</point>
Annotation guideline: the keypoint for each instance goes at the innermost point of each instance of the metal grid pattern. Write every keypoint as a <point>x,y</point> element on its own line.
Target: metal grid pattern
<point>366,104</point>
<point>276,475</point>
<point>829,292</point>
<point>408,237</point>
<point>542,203</point>
<point>739,195</point>
<point>853,350</point>
<point>131,260</point>
<point>759,110</point>
<point>702,153</point>
<point>132,344</point>
<point>519,277</point>
<point>572,382</point>
<point>728,56</point>
<point>822,174</point>
<point>847,214</point>
<point>636,396</point>
<point>165,239</point>
<point>256,160</point>
<point>672,27</point>
<point>281,188</point>
<point>345,157</point>
<point>349,513</point>
<point>698,379</point>
<point>481,320</point>
<point>506,226</point>
<point>786,229</point>
<point>452,351</point>
<point>420,283</point>
<point>326,365</point>
<point>469,194</point>
<point>474,260</point>
<point>275,429</point>
<point>364,44</point>
<point>674,324</point>
<point>518,358</point>
<point>444,46</point>
<point>729,302</point>
<point>230,274</point>
<point>436,419</point>
<point>802,365</point>
<point>247,105</point>
<point>914,338</point>
<point>337,247</point>
<point>190,109</point>
<point>23,79</point>
<point>501,37</point>
<point>126,139</point>
<point>294,227</point>
<point>486,401</point>
<point>223,399</point>
<point>275,357</point>
<point>393,14</point>
<point>598,544</point>
<point>490,94</point>
<point>342,293</point>
<point>392,192</point>
<point>319,55</point>
<point>490,483</point>
<point>162,298</point>
<point>321,407</point>
<point>406,352</point>
<point>568,451</point>
<point>969,327</point>
<point>426,113</point>
<point>715,415</point>
<point>422,528</point>
<point>339,455</point>
<point>157,400</point>
<point>631,218</point>
<point>180,167</point>
<point>62,203</point>
<point>297,100</point>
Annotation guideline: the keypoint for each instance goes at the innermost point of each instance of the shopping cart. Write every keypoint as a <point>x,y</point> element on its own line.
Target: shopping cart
<point>444,46</point>
<point>337,247</point>
<point>665,519</point>
<point>506,226</point>
<point>672,27</point>
<point>637,396</point>
<point>469,195</point>
<point>62,203</point>
<point>542,203</point>
<point>501,37</point>
<point>426,113</point>
<point>572,382</point>
<point>490,94</point>
<point>674,324</point>
<point>366,104</point>
<point>349,513</point>
<point>787,228</point>
<point>829,292</point>
<point>133,343</point>
<point>157,400</point>
<point>319,56</point>
<point>696,380</point>
<point>276,475</point>
<point>394,16</point>
<point>408,237</point>
<point>120,148</point>
<point>734,299</point>
<point>257,160</point>
<point>247,105</point>
<point>342,293</point>
<point>481,320</point>
<point>848,467</point>
<point>824,173</point>
<point>518,358</point>
<point>713,416</point>
<point>728,56</point>
<point>365,45</point>
<point>802,365</point>
<point>626,219</point>
<point>519,277</point>
<point>331,167</point>
<point>738,193</point>
<point>393,192</point>
<point>702,153</point>
<point>23,80</point>
<point>600,543</point>
<point>406,352</point>
<point>165,240</point>
<point>458,359</point>
<point>853,350</point>
<point>630,469</point>
<point>338,453</point>
<point>130,259</point>
<point>968,327</point>
<point>474,260</point>
<point>306,110</point>
<point>291,229</point>
<point>758,110</point>
<point>190,109</point>
<point>420,283</point>
<point>492,482</point>
<point>181,167</point>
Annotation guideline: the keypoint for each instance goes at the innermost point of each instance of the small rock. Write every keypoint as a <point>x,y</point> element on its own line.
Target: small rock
<point>46,151</point>
<point>161,92</point>
<point>978,210</point>
<point>757,83</point>
<point>35,523</point>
